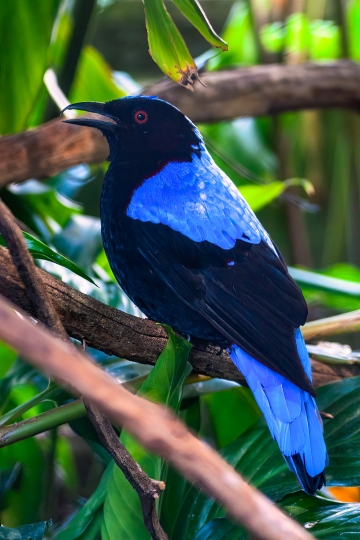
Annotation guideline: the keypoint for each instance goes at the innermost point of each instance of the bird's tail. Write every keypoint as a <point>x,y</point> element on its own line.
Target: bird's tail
<point>291,414</point>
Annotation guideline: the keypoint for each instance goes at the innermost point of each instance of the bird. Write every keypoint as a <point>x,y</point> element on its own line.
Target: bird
<point>189,252</point>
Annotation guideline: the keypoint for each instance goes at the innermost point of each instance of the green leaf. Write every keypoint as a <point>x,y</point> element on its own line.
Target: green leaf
<point>353,23</point>
<point>21,507</point>
<point>94,80</point>
<point>297,34</point>
<point>272,37</point>
<point>40,207</point>
<point>25,28</point>
<point>337,287</point>
<point>196,15</point>
<point>259,196</point>
<point>325,41</point>
<point>322,517</point>
<point>257,457</point>
<point>122,512</point>
<point>35,531</point>
<point>39,250</point>
<point>226,425</point>
<point>166,45</point>
<point>85,517</point>
<point>239,35</point>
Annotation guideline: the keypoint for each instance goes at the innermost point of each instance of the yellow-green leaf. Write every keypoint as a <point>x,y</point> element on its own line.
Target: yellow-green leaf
<point>259,196</point>
<point>196,15</point>
<point>166,45</point>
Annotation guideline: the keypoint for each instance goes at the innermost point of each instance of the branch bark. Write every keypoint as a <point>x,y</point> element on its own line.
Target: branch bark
<point>152,425</point>
<point>141,340</point>
<point>255,91</point>
<point>147,489</point>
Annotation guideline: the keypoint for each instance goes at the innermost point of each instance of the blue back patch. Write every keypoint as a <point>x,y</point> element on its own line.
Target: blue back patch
<point>198,200</point>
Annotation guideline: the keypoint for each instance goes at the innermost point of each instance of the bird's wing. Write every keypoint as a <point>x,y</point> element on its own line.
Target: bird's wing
<point>197,199</point>
<point>245,292</point>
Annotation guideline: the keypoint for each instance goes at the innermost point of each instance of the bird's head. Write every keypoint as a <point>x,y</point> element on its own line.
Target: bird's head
<point>142,127</point>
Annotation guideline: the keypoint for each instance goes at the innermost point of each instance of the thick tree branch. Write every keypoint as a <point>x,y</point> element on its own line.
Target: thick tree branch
<point>155,427</point>
<point>114,332</point>
<point>255,91</point>
<point>147,489</point>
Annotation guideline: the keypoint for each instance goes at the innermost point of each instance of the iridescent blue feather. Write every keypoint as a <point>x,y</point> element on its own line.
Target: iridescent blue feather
<point>197,199</point>
<point>290,412</point>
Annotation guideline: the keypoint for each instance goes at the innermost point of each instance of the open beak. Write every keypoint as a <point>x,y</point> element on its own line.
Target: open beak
<point>92,107</point>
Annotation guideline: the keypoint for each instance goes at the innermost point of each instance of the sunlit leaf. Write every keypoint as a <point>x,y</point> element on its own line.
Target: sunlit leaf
<point>353,23</point>
<point>25,29</point>
<point>94,80</point>
<point>239,36</point>
<point>337,287</point>
<point>297,35</point>
<point>259,196</point>
<point>40,207</point>
<point>166,45</point>
<point>39,250</point>
<point>325,43</point>
<point>196,15</point>
<point>272,37</point>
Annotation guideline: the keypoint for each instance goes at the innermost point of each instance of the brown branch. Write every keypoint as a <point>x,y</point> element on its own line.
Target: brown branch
<point>255,91</point>
<point>116,333</point>
<point>147,489</point>
<point>155,427</point>
<point>26,269</point>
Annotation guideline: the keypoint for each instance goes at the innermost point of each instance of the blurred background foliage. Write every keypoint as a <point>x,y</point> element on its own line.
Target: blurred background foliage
<point>300,172</point>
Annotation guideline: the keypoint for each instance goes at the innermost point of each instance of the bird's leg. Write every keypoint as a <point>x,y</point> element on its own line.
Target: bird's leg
<point>220,351</point>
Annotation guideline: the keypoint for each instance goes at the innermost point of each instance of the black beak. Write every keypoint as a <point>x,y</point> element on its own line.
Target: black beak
<point>92,107</point>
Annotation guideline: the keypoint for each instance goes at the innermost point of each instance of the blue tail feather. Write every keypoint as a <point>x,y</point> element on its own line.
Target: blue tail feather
<point>291,414</point>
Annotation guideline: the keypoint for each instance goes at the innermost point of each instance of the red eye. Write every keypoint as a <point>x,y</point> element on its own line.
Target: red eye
<point>141,117</point>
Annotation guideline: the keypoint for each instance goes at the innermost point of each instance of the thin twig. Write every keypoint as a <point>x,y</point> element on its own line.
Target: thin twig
<point>154,426</point>
<point>147,489</point>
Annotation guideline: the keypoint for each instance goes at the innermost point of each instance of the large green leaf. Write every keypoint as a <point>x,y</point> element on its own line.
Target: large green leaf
<point>93,79</point>
<point>257,457</point>
<point>87,515</point>
<point>166,45</point>
<point>195,14</point>
<point>228,426</point>
<point>25,29</point>
<point>324,518</point>
<point>39,250</point>
<point>122,512</point>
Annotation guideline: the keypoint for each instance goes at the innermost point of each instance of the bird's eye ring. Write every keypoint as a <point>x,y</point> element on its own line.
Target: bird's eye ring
<point>141,117</point>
